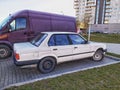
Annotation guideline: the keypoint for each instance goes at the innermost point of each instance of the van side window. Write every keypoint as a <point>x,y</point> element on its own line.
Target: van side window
<point>12,25</point>
<point>18,23</point>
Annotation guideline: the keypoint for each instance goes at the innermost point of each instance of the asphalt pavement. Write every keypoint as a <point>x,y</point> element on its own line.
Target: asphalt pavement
<point>11,75</point>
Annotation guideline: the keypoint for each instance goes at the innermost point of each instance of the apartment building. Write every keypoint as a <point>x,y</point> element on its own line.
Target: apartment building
<point>98,11</point>
<point>108,11</point>
<point>115,14</point>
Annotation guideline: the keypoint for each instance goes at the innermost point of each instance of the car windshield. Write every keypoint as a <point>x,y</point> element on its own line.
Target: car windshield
<point>4,22</point>
<point>38,39</point>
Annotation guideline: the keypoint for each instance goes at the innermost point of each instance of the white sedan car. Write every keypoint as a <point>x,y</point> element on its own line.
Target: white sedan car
<point>50,48</point>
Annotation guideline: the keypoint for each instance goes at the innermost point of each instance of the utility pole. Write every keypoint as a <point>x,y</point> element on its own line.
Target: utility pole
<point>89,30</point>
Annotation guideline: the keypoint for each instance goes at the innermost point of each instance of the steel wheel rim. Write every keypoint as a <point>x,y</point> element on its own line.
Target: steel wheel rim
<point>47,65</point>
<point>3,52</point>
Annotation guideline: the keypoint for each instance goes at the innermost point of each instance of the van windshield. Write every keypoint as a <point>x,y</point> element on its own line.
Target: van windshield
<point>4,22</point>
<point>38,39</point>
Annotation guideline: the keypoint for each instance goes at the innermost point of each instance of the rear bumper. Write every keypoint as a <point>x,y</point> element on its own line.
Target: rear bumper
<point>22,63</point>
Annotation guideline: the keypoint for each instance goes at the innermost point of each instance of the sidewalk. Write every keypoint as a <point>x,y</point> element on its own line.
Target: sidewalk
<point>113,48</point>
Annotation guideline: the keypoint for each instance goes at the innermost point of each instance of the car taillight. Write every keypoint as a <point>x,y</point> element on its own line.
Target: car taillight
<point>17,56</point>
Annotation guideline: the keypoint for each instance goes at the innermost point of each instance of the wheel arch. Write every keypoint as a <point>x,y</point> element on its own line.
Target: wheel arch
<point>7,44</point>
<point>50,57</point>
<point>100,49</point>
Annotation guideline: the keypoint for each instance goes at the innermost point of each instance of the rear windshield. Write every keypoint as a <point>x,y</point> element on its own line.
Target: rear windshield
<point>38,39</point>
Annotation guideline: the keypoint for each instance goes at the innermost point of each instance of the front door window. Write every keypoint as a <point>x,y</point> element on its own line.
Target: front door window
<point>18,24</point>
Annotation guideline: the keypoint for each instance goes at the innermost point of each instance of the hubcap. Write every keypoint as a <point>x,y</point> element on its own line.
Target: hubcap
<point>47,65</point>
<point>98,56</point>
<point>3,52</point>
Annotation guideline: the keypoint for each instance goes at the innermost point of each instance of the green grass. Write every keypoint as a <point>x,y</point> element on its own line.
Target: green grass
<point>104,78</point>
<point>108,38</point>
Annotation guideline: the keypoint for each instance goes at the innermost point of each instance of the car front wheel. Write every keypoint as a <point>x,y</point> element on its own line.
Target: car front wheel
<point>98,56</point>
<point>46,65</point>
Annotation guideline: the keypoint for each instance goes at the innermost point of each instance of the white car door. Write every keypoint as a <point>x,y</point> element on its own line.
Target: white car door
<point>60,46</point>
<point>81,49</point>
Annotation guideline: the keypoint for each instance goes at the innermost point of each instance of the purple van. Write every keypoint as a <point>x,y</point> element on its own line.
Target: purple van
<point>22,26</point>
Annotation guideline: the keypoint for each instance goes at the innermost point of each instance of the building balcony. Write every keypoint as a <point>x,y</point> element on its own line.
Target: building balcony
<point>108,3</point>
<point>107,18</point>
<point>76,4</point>
<point>76,7</point>
<point>107,15</point>
<point>108,7</point>
<point>76,0</point>
<point>88,13</point>
<point>77,13</point>
<point>91,5</point>
<point>91,1</point>
<point>88,9</point>
<point>107,10</point>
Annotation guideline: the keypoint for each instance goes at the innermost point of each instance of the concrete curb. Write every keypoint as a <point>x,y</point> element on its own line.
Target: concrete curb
<point>69,72</point>
<point>112,57</point>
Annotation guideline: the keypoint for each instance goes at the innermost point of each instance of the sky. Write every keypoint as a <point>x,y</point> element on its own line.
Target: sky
<point>64,7</point>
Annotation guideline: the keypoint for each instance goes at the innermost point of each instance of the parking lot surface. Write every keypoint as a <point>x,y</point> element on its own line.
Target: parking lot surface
<point>11,74</point>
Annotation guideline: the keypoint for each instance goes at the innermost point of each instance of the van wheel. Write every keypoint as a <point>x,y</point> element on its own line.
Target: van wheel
<point>5,52</point>
<point>46,65</point>
<point>98,56</point>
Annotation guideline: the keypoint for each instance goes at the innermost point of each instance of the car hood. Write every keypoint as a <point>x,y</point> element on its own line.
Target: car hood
<point>21,47</point>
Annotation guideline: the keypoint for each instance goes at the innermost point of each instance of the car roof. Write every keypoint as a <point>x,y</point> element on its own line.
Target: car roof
<point>59,32</point>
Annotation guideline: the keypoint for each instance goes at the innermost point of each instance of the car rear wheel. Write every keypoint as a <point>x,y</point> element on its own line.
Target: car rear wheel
<point>5,51</point>
<point>46,65</point>
<point>98,56</point>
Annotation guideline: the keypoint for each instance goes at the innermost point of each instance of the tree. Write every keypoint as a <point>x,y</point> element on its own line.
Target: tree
<point>86,21</point>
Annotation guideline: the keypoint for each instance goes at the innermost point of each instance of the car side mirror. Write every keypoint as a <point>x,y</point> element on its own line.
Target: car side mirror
<point>9,28</point>
<point>86,41</point>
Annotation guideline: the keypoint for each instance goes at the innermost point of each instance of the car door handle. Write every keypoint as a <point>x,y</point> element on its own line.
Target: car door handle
<point>55,49</point>
<point>75,47</point>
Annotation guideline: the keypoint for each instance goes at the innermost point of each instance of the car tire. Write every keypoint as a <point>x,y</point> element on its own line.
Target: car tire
<point>5,52</point>
<point>46,65</point>
<point>98,56</point>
